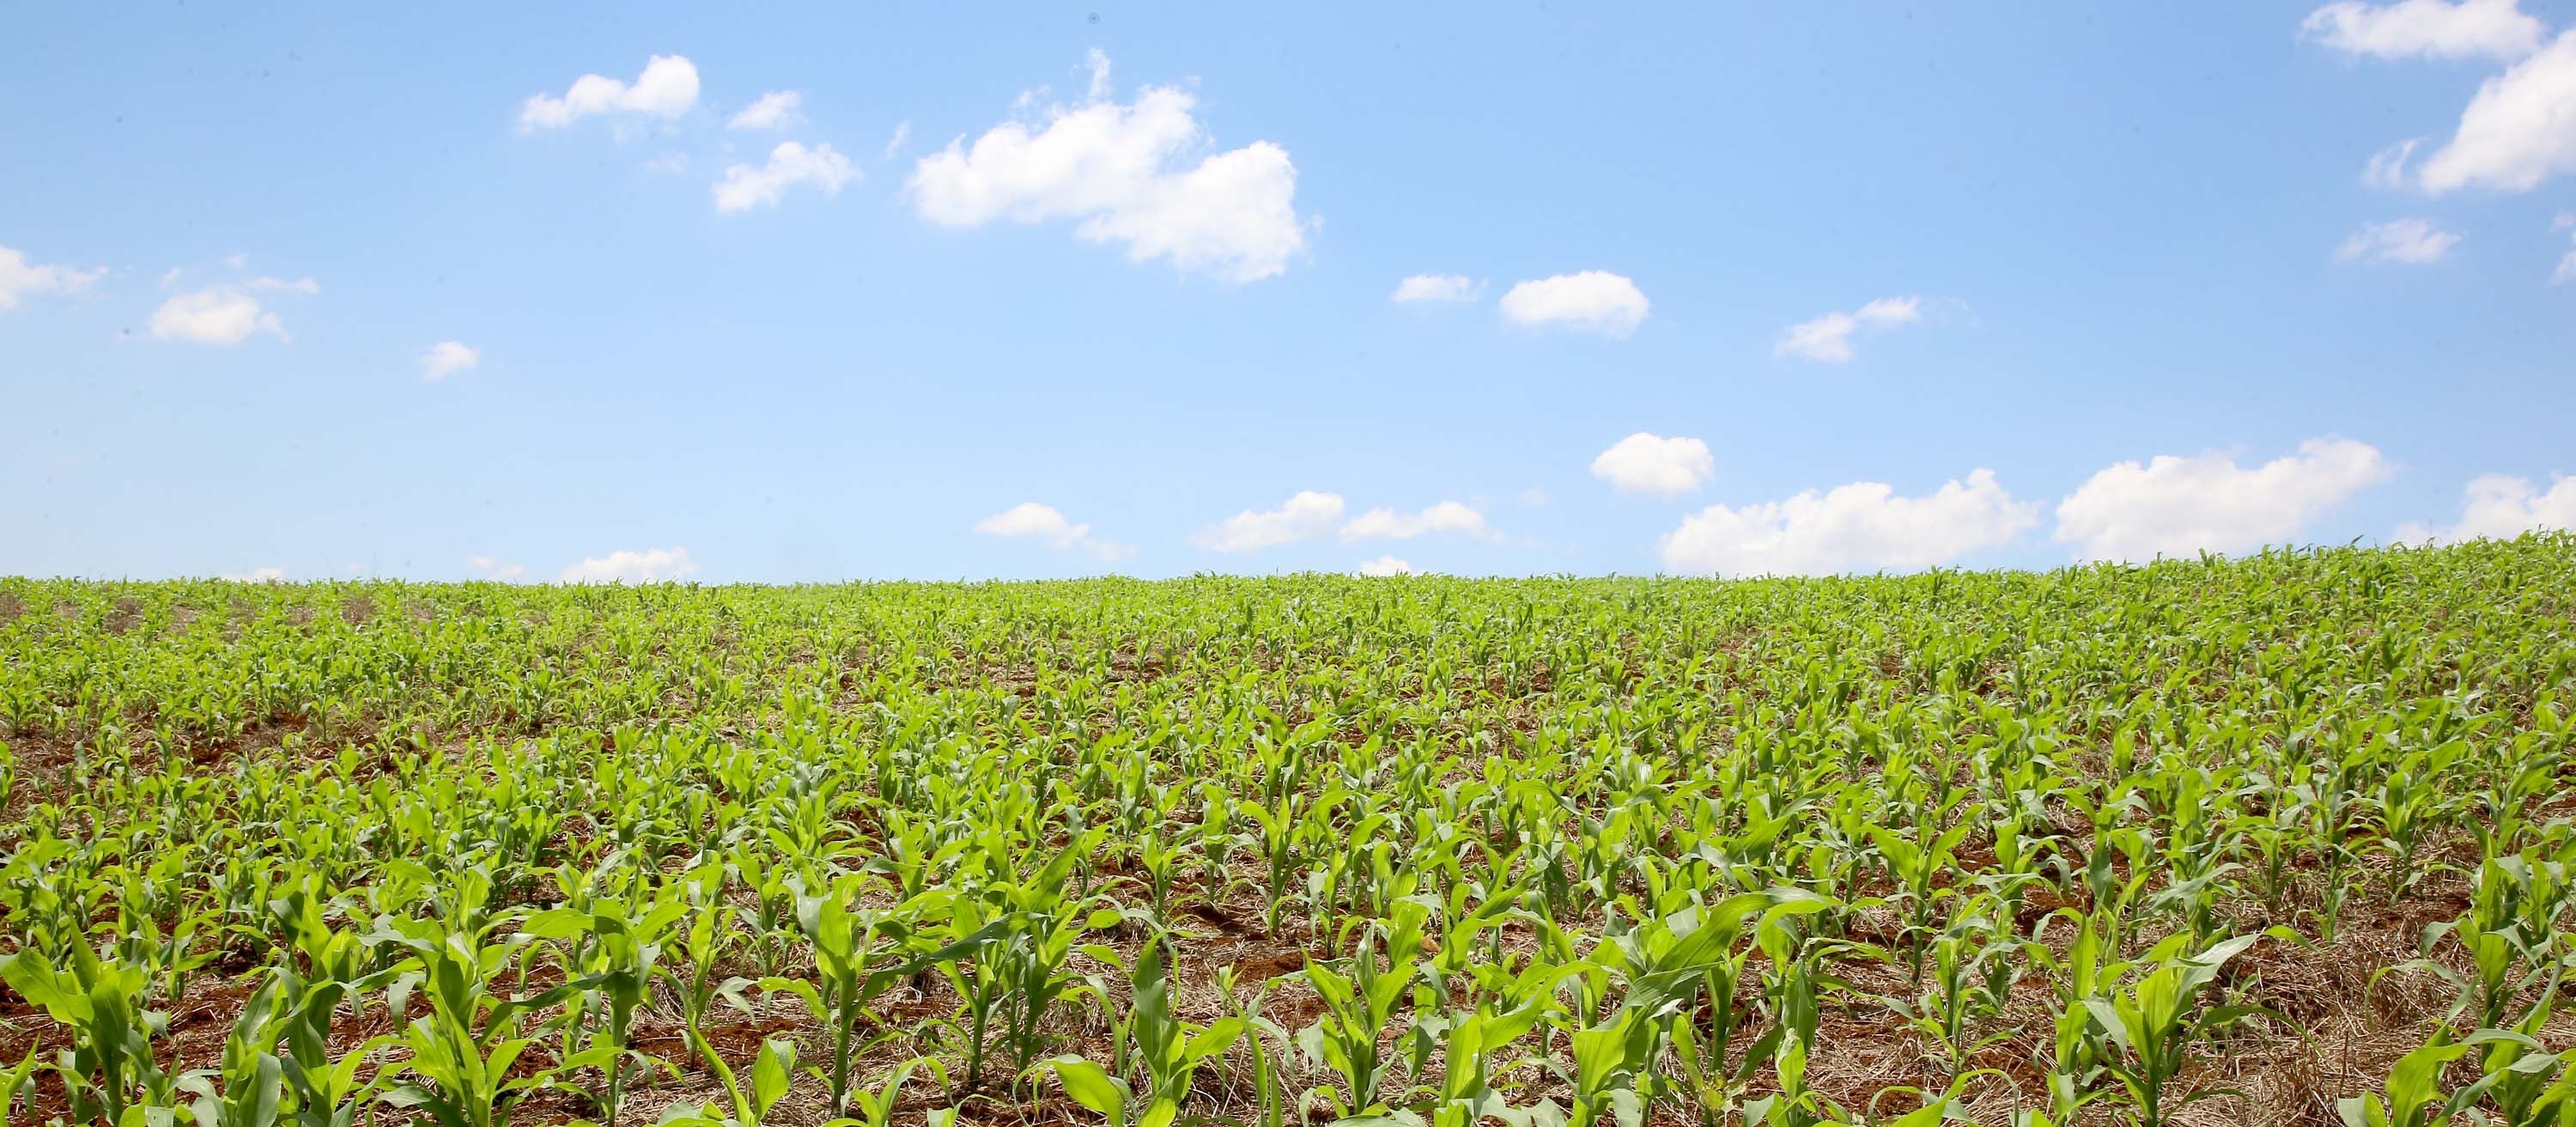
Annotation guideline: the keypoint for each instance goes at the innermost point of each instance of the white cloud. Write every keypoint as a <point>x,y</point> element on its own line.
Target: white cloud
<point>2427,28</point>
<point>2566,271</point>
<point>2501,507</point>
<point>257,575</point>
<point>20,279</point>
<point>1863,526</point>
<point>1311,515</point>
<point>305,286</point>
<point>745,187</point>
<point>1828,338</point>
<point>652,565</point>
<point>2412,241</point>
<point>1138,174</point>
<point>671,163</point>
<point>1305,516</point>
<point>2175,506</point>
<point>485,567</point>
<point>895,144</point>
<point>1592,301</point>
<point>217,315</point>
<point>1384,566</point>
<point>666,89</point>
<point>2518,131</point>
<point>446,358</point>
<point>1387,524</point>
<point>1097,62</point>
<point>1043,522</point>
<point>1892,311</point>
<point>1648,463</point>
<point>777,109</point>
<point>1433,287</point>
<point>2387,167</point>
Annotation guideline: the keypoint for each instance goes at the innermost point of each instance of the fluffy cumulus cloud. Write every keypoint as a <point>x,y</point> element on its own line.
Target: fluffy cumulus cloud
<point>1828,338</point>
<point>2438,29</point>
<point>745,186</point>
<point>486,567</point>
<point>1138,174</point>
<point>652,565</point>
<point>1649,463</point>
<point>1030,520</point>
<point>2175,506</point>
<point>217,315</point>
<point>1433,288</point>
<point>1305,516</point>
<point>666,89</point>
<point>2501,507</point>
<point>1384,566</point>
<point>2411,241</point>
<point>777,109</point>
<point>1859,527</point>
<point>2518,131</point>
<point>1594,301</point>
<point>20,279</point>
<point>1388,524</point>
<point>446,358</point>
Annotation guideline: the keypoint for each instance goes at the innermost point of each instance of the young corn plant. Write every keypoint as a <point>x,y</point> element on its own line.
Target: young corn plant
<point>109,1069</point>
<point>2413,1096</point>
<point>1272,1051</point>
<point>463,1050</point>
<point>859,954</point>
<point>2410,804</point>
<point>320,969</point>
<point>1472,1046</point>
<point>2520,1080</point>
<point>875,1106</point>
<point>1168,1050</point>
<point>1361,999</point>
<point>1020,935</point>
<point>1792,1103</point>
<point>772,1071</point>
<point>1666,963</point>
<point>712,931</point>
<point>18,1085</point>
<point>2152,1025</point>
<point>2090,968</point>
<point>252,1079</point>
<point>1915,865</point>
<point>2510,932</point>
<point>324,1087</point>
<point>621,955</point>
<point>1969,979</point>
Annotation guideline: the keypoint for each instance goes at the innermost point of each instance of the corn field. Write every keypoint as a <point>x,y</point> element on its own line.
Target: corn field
<point>2278,840</point>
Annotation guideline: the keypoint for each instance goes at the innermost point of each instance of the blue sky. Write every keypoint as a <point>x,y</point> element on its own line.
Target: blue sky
<point>1881,289</point>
